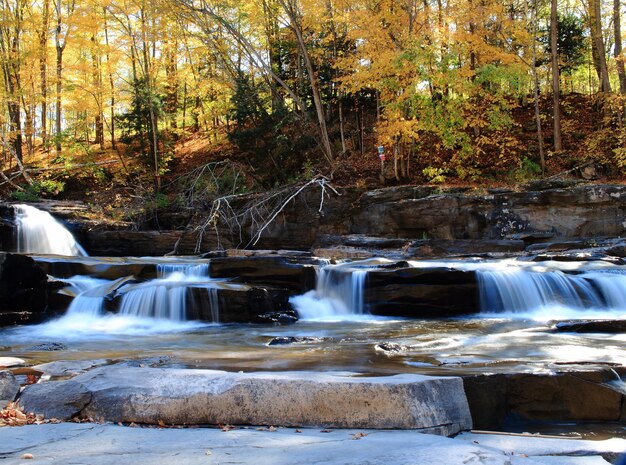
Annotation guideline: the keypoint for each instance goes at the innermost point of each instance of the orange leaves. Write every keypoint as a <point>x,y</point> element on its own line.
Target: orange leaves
<point>13,415</point>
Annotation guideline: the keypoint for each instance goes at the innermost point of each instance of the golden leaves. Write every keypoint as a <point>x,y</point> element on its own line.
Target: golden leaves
<point>14,415</point>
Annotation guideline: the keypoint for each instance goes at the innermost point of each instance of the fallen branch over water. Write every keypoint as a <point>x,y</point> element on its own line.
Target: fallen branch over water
<point>259,213</point>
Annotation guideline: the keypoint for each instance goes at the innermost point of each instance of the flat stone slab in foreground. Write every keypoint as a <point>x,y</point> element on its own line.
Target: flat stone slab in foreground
<point>188,397</point>
<point>93,444</point>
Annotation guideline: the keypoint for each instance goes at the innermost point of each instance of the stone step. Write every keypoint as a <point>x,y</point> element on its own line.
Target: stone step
<point>187,397</point>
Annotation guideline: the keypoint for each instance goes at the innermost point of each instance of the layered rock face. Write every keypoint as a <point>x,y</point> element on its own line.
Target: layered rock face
<point>407,214</point>
<point>422,217</point>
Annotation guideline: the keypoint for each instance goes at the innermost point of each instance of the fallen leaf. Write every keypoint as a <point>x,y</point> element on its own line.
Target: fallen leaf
<point>271,428</point>
<point>161,423</point>
<point>298,431</point>
<point>326,431</point>
<point>359,435</point>
<point>227,427</point>
<point>27,456</point>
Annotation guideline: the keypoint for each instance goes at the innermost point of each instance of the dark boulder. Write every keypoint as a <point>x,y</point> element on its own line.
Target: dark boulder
<point>591,326</point>
<point>421,292</point>
<point>240,304</point>
<point>48,347</point>
<point>23,289</point>
<point>565,396</point>
<point>288,340</point>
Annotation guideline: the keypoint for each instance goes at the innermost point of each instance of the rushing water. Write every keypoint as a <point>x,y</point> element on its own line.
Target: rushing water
<point>339,293</point>
<point>39,233</point>
<point>517,298</point>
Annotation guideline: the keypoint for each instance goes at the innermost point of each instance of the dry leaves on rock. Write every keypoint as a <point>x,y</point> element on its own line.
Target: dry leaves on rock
<point>358,435</point>
<point>13,415</point>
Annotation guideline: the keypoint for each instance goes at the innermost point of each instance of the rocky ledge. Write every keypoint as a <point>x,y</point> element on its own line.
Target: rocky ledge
<point>195,397</point>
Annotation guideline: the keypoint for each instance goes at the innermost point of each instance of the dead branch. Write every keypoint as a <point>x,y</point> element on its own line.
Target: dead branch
<point>259,213</point>
<point>11,150</point>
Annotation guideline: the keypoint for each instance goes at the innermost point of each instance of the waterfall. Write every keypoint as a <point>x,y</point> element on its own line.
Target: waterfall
<point>517,290</point>
<point>339,293</point>
<point>166,296</point>
<point>39,233</point>
<point>89,295</point>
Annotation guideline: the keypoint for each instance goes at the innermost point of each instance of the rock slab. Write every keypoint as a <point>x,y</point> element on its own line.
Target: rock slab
<point>95,444</point>
<point>182,396</point>
<point>9,387</point>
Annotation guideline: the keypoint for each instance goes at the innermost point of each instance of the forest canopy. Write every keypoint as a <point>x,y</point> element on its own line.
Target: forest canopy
<point>467,90</point>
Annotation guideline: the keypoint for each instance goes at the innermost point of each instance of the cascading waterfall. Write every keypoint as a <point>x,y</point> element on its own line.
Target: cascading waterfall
<point>166,296</point>
<point>339,293</point>
<point>39,233</point>
<point>89,295</point>
<point>517,290</point>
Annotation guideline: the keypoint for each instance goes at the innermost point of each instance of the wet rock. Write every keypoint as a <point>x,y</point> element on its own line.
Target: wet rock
<point>421,292</point>
<point>9,387</point>
<point>276,318</point>
<point>49,347</point>
<point>591,326</point>
<point>288,272</point>
<point>287,340</point>
<point>23,291</point>
<point>391,348</point>
<point>179,396</point>
<point>240,304</point>
<point>566,396</point>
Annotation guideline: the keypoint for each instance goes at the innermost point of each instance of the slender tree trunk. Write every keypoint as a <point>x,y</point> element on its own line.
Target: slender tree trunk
<point>43,71</point>
<point>291,10</point>
<point>595,23</point>
<point>184,104</point>
<point>96,69</point>
<point>111,81</point>
<point>153,116</point>
<point>9,44</point>
<point>341,129</point>
<point>542,158</point>
<point>619,60</point>
<point>555,77</point>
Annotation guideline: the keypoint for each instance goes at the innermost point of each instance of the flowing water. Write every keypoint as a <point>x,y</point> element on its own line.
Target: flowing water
<point>39,233</point>
<point>518,299</point>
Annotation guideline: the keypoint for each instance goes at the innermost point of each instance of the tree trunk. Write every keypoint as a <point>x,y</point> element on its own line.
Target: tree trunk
<point>555,77</point>
<point>43,71</point>
<point>599,56</point>
<point>619,60</point>
<point>542,159</point>
<point>111,82</point>
<point>291,10</point>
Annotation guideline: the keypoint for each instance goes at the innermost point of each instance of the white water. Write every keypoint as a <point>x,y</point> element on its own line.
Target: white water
<point>166,296</point>
<point>152,307</point>
<point>339,294</point>
<point>553,294</point>
<point>39,233</point>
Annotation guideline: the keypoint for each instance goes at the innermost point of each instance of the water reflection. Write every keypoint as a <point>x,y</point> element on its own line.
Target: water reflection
<point>451,346</point>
